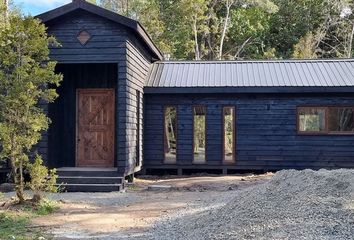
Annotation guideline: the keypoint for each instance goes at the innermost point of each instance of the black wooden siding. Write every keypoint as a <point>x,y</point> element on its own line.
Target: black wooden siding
<point>266,136</point>
<point>110,43</point>
<point>137,67</point>
<point>107,43</point>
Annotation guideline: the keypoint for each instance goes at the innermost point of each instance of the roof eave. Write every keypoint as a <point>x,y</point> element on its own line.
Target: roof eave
<point>217,90</point>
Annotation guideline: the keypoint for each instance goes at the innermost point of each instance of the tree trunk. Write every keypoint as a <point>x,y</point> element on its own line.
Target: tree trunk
<point>242,47</point>
<point>350,44</point>
<point>197,52</point>
<point>17,180</point>
<point>226,25</point>
<point>21,186</point>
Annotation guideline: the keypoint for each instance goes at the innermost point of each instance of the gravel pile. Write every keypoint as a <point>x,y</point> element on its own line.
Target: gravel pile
<point>292,205</point>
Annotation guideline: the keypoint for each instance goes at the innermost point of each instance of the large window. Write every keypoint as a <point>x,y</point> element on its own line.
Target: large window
<point>340,119</point>
<point>170,138</point>
<point>229,134</point>
<point>326,120</point>
<point>199,134</point>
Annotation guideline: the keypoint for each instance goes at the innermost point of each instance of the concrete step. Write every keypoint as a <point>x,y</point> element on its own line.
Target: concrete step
<point>91,187</point>
<point>89,180</point>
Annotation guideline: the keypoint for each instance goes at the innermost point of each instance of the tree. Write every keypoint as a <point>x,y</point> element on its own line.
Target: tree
<point>247,34</point>
<point>306,47</point>
<point>147,12</point>
<point>294,19</point>
<point>4,10</point>
<point>337,28</point>
<point>232,6</point>
<point>26,77</point>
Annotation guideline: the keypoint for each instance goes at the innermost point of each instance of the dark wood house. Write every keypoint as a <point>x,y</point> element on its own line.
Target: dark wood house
<point>122,109</point>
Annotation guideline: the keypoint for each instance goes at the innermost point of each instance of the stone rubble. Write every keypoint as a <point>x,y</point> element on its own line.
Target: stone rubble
<point>294,204</point>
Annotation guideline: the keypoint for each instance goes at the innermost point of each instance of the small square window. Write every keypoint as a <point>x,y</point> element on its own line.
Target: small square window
<point>312,119</point>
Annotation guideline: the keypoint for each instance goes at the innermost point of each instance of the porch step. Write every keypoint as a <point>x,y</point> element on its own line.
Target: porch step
<point>92,187</point>
<point>89,180</point>
<point>88,172</point>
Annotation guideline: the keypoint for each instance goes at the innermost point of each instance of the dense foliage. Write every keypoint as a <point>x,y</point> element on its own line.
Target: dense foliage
<point>25,74</point>
<point>244,29</point>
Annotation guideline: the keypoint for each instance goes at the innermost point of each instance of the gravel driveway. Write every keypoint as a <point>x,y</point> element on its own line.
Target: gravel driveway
<point>289,205</point>
<point>132,215</point>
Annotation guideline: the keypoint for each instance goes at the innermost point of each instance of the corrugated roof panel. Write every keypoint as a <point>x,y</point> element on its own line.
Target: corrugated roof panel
<point>328,75</point>
<point>318,70</point>
<point>336,75</point>
<point>348,75</point>
<point>286,73</point>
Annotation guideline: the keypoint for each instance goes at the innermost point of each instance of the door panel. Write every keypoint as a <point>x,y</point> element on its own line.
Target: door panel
<point>95,128</point>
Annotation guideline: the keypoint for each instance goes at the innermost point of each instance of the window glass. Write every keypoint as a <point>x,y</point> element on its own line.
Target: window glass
<point>312,119</point>
<point>340,119</point>
<point>229,133</point>
<point>199,118</point>
<point>170,134</point>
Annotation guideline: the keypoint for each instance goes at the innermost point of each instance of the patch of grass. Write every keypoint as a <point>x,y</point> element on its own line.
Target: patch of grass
<point>15,221</point>
<point>132,187</point>
<point>16,227</point>
<point>46,207</point>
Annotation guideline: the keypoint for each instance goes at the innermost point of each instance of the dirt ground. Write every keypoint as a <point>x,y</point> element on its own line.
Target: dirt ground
<point>129,215</point>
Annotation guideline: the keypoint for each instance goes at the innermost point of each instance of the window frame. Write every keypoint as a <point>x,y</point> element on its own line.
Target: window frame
<point>326,131</point>
<point>165,135</point>
<point>233,134</point>
<point>206,131</point>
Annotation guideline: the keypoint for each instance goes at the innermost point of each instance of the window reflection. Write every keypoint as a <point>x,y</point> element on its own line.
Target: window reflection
<point>229,133</point>
<point>170,134</point>
<point>312,119</point>
<point>340,119</point>
<point>199,118</point>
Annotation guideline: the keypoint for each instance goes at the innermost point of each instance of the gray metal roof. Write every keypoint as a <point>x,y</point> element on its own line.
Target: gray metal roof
<point>283,73</point>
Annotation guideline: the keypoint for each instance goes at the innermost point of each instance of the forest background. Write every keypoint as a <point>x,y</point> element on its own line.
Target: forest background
<point>244,29</point>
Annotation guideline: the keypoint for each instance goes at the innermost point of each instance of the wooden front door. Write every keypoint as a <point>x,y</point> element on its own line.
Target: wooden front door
<point>95,128</point>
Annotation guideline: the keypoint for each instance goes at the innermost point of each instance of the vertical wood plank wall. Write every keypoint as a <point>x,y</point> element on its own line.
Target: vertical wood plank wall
<point>62,131</point>
<point>266,137</point>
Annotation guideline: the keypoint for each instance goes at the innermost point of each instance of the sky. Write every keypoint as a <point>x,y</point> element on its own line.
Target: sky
<point>35,7</point>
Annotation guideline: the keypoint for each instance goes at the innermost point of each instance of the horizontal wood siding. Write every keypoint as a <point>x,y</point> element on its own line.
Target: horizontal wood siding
<point>136,69</point>
<point>62,131</point>
<point>107,43</point>
<point>266,136</point>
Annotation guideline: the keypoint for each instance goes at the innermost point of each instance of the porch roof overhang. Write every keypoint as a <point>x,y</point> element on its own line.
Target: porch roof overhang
<point>131,24</point>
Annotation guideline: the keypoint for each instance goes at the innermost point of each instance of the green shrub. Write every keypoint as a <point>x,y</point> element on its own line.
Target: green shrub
<point>46,206</point>
<point>42,179</point>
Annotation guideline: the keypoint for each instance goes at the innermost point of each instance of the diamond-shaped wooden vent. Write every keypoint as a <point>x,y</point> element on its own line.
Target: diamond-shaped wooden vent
<point>83,37</point>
